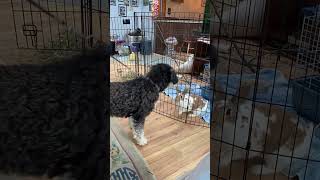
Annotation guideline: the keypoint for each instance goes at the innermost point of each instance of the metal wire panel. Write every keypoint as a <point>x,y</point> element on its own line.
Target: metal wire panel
<point>35,29</point>
<point>309,45</point>
<point>255,111</point>
<point>186,28</point>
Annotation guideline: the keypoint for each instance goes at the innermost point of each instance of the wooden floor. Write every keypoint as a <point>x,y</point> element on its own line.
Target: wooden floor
<point>173,147</point>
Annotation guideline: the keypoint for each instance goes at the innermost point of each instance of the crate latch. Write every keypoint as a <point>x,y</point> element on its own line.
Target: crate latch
<point>31,31</point>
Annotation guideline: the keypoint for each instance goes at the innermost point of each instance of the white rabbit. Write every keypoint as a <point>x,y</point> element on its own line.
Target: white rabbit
<point>235,115</point>
<point>187,66</point>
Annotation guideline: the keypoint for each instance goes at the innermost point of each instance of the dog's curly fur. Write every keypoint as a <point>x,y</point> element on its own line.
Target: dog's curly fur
<point>136,98</point>
<point>52,118</point>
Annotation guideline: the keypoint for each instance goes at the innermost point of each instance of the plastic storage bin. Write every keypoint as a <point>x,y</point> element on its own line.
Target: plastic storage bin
<point>146,47</point>
<point>306,97</point>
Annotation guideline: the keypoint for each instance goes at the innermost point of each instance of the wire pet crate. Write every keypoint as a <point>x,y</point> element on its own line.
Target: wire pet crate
<point>306,89</point>
<point>254,100</point>
<point>188,100</point>
<point>310,43</point>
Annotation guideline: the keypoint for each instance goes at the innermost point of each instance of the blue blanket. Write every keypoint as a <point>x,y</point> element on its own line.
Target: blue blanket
<point>278,96</point>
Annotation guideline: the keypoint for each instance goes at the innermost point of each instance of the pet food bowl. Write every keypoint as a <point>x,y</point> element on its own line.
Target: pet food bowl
<point>134,39</point>
<point>135,47</point>
<point>306,97</point>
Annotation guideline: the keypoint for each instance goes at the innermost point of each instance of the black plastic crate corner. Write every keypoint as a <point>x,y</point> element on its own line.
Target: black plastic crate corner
<point>306,97</point>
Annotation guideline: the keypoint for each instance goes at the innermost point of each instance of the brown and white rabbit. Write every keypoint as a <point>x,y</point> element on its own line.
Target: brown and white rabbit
<point>189,103</point>
<point>235,116</point>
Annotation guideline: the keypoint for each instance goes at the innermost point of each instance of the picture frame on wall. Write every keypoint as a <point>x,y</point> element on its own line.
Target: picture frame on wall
<point>203,3</point>
<point>134,3</point>
<point>146,2</point>
<point>113,2</point>
<point>150,5</point>
<point>122,10</point>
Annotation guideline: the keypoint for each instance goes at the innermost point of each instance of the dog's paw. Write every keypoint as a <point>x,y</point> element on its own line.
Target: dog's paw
<point>130,123</point>
<point>142,141</point>
<point>134,135</point>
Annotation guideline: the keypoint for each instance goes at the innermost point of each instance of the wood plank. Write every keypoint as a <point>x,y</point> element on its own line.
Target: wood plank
<point>184,147</point>
<point>170,138</point>
<point>189,152</point>
<point>173,147</point>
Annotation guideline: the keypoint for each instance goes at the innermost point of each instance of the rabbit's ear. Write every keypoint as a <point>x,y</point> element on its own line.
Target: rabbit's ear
<point>186,90</point>
<point>178,97</point>
<point>178,90</point>
<point>243,91</point>
<point>247,86</point>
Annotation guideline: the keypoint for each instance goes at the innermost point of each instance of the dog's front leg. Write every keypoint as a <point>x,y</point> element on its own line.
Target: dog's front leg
<point>138,131</point>
<point>131,122</point>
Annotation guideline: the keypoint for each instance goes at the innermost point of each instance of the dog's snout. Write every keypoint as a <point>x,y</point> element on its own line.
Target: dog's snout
<point>175,81</point>
<point>174,78</point>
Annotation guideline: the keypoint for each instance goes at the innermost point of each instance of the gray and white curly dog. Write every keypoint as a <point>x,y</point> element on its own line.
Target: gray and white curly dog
<point>136,98</point>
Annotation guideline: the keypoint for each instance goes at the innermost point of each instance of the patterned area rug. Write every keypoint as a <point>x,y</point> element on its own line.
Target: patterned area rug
<point>126,162</point>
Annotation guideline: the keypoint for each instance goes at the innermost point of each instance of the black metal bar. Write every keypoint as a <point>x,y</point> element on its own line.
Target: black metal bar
<point>74,21</point>
<point>65,20</point>
<point>24,21</point>
<point>40,13</point>
<point>14,24</point>
<point>90,23</point>
<point>58,24</point>
<point>49,16</point>
<point>82,26</point>
<point>100,16</point>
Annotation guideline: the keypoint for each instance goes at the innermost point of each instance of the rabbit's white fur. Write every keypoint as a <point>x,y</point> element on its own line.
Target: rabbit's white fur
<point>236,128</point>
<point>185,103</point>
<point>190,103</point>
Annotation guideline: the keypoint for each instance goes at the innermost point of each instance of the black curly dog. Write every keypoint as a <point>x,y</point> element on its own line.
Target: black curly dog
<point>136,98</point>
<point>53,118</point>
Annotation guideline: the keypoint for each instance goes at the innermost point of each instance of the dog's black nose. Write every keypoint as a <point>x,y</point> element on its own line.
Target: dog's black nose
<point>174,79</point>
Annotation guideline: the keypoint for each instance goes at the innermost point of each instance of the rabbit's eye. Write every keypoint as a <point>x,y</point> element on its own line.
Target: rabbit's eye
<point>228,112</point>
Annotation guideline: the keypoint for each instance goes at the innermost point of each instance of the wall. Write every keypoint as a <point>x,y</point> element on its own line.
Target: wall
<point>118,28</point>
<point>116,22</point>
<point>193,6</point>
<point>130,10</point>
